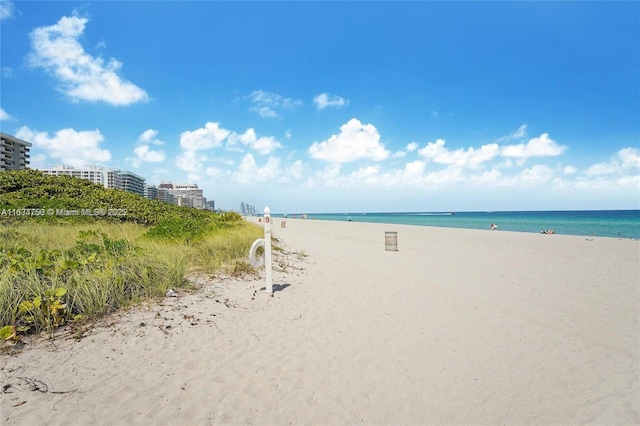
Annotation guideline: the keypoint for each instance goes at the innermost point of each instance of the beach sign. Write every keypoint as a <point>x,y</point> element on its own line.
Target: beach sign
<point>267,249</point>
<point>255,259</point>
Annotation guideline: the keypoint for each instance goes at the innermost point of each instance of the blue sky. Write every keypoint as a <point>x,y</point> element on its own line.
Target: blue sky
<point>336,106</point>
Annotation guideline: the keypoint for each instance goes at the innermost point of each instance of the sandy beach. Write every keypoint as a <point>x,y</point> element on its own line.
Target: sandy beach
<point>456,327</point>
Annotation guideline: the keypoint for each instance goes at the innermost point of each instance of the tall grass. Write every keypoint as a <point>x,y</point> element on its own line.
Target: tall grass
<point>105,267</point>
<point>227,249</point>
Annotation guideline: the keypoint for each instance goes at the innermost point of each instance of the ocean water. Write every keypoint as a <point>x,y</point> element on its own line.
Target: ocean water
<point>593,223</point>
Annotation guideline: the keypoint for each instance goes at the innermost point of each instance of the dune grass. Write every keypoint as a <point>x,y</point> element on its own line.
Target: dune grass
<point>103,267</point>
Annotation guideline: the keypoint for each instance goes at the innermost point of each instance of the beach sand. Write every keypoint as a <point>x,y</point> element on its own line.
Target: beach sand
<point>455,327</point>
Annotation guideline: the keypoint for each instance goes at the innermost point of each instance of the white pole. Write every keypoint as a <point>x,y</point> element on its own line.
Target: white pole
<point>267,249</point>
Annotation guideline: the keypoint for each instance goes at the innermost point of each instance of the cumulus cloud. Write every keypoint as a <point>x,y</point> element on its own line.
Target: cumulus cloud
<point>296,170</point>
<point>471,157</point>
<point>4,116</point>
<point>207,137</point>
<point>71,147</point>
<point>82,77</point>
<point>535,174</point>
<point>411,147</point>
<point>193,142</point>
<point>541,146</point>
<point>625,160</point>
<point>196,143</point>
<point>270,105</point>
<point>7,10</point>
<point>356,141</point>
<point>324,100</point>
<point>474,158</point>
<point>149,137</point>
<point>143,152</point>
<point>193,163</point>
<point>263,145</point>
<point>520,133</point>
<point>249,171</point>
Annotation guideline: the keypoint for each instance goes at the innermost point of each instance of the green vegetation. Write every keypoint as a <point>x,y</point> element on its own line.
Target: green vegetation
<point>57,269</point>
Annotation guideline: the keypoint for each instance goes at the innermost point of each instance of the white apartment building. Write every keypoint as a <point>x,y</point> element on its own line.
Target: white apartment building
<point>182,194</point>
<point>14,153</point>
<point>105,176</point>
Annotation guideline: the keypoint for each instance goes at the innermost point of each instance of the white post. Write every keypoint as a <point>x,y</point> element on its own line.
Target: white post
<point>267,249</point>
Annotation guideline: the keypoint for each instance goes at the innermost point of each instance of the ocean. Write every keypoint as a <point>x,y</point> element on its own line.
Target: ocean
<point>593,223</point>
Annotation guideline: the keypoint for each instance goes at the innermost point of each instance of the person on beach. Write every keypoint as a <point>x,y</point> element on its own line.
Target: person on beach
<point>494,226</point>
<point>548,231</point>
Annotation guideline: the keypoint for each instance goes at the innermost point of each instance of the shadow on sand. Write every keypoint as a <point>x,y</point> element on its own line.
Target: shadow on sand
<point>277,287</point>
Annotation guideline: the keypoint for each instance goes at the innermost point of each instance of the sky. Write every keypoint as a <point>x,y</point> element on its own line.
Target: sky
<point>318,107</point>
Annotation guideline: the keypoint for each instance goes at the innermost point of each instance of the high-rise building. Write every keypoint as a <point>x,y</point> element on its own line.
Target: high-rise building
<point>131,182</point>
<point>165,196</point>
<point>107,177</point>
<point>150,192</point>
<point>14,153</point>
<point>182,194</point>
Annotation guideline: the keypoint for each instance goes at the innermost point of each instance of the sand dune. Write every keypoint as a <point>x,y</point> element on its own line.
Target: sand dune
<point>456,327</point>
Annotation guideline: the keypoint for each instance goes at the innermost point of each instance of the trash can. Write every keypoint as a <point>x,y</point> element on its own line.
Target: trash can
<point>283,224</point>
<point>391,241</point>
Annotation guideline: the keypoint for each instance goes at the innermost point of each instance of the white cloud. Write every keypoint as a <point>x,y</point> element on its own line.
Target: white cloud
<point>147,155</point>
<point>71,147</point>
<point>627,159</point>
<point>569,170</point>
<point>369,175</point>
<point>268,104</point>
<point>325,100</point>
<point>412,146</point>
<point>143,153</point>
<point>356,141</point>
<point>191,162</point>
<point>250,173</point>
<point>295,171</point>
<point>535,174</point>
<point>541,146</point>
<point>207,137</point>
<point>7,10</point>
<point>81,76</point>
<point>471,157</point>
<point>197,162</point>
<point>330,176</point>
<point>148,137</point>
<point>520,133</point>
<point>192,141</point>
<point>4,116</point>
<point>263,145</point>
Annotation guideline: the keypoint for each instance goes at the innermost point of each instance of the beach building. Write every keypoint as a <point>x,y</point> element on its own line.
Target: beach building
<point>150,192</point>
<point>247,209</point>
<point>14,153</point>
<point>109,178</point>
<point>165,196</point>
<point>182,194</point>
